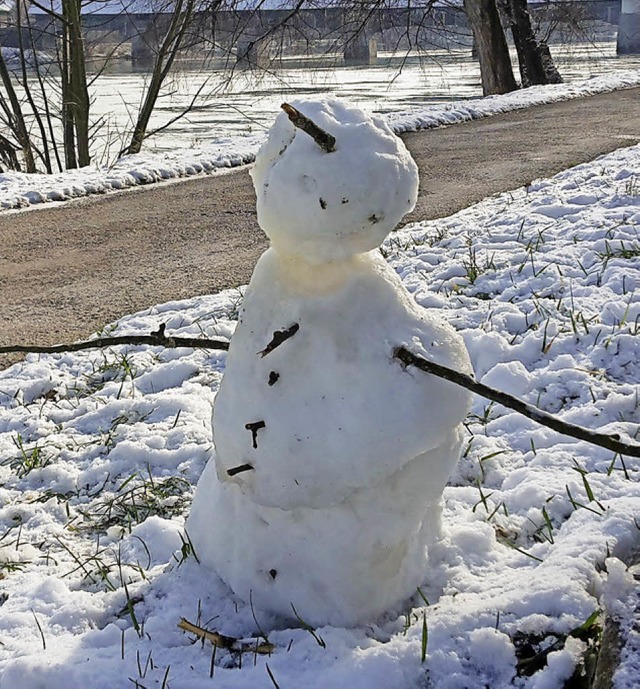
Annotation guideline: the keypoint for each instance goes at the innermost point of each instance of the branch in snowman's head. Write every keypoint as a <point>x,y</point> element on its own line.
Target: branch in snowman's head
<point>326,141</point>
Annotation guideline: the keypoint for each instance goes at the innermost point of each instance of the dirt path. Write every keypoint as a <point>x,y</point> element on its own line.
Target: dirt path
<point>67,270</point>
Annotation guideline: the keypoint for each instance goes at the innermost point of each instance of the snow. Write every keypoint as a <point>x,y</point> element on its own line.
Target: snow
<point>19,190</point>
<point>333,434</point>
<point>101,452</point>
<point>325,207</point>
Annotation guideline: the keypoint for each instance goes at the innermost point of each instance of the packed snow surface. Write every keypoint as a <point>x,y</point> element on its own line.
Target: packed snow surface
<point>19,190</point>
<point>101,452</point>
<point>328,206</point>
<point>332,435</point>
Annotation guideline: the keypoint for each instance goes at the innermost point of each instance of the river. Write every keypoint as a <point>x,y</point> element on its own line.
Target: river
<point>246,102</point>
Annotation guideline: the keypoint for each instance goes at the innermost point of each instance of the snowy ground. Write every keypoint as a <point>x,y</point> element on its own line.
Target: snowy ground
<point>18,190</point>
<point>100,453</point>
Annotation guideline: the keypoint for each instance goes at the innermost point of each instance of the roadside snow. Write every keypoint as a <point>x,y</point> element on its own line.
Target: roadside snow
<point>100,453</point>
<point>19,190</point>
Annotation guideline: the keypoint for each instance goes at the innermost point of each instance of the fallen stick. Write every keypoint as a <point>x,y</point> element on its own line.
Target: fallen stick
<point>103,342</point>
<point>228,642</point>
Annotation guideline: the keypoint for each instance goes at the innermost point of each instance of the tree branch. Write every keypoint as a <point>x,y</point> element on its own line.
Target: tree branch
<point>610,442</point>
<point>158,338</point>
<point>155,339</point>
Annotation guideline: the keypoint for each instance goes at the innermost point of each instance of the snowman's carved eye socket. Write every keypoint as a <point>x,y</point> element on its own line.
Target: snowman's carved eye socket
<point>308,183</point>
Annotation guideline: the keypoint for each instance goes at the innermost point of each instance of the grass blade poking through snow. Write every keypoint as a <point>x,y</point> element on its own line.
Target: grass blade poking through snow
<point>44,643</point>
<point>307,627</point>
<point>425,638</point>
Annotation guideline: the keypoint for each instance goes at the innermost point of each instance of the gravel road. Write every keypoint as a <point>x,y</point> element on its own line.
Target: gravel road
<point>67,270</point>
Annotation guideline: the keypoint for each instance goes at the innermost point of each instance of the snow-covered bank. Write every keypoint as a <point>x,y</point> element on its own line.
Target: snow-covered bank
<point>100,453</point>
<point>19,190</point>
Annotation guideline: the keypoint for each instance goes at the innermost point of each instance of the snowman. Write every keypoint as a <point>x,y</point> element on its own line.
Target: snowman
<point>323,494</point>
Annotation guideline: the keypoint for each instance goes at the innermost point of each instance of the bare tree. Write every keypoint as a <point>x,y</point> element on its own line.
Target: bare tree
<point>534,58</point>
<point>14,119</point>
<point>43,101</point>
<point>46,106</point>
<point>496,70</point>
<point>565,20</point>
<point>535,62</point>
<point>176,38</point>
<point>75,94</point>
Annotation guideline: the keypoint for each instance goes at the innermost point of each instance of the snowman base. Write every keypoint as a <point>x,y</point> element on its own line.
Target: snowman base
<point>342,565</point>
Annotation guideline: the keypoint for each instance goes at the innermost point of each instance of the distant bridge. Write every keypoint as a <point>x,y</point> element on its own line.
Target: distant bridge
<point>253,34</point>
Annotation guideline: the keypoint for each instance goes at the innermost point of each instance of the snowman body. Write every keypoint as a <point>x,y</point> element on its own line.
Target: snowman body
<point>331,456</point>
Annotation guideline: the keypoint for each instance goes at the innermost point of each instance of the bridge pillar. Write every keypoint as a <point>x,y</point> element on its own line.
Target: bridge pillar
<point>253,53</point>
<point>361,51</point>
<point>629,28</point>
<point>142,50</point>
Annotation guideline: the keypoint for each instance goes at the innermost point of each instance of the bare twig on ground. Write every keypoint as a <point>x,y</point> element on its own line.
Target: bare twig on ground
<point>228,642</point>
<point>101,342</point>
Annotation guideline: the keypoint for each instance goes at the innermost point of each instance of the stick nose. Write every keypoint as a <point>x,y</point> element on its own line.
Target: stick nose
<point>326,141</point>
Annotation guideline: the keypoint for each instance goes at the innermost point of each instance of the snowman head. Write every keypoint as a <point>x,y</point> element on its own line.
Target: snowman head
<point>329,206</point>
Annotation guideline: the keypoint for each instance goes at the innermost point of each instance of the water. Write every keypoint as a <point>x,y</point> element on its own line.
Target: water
<point>247,102</point>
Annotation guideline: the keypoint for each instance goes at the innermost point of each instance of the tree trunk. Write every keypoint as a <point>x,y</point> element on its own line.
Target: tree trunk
<point>44,149</point>
<point>495,63</point>
<point>536,64</point>
<point>171,44</point>
<point>78,81</point>
<point>550,69</point>
<point>19,126</point>
<point>68,109</point>
<point>144,115</point>
<point>46,105</point>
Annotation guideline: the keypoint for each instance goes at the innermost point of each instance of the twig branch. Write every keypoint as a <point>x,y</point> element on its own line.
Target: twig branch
<point>326,141</point>
<point>609,442</point>
<point>217,639</point>
<point>157,339</point>
<point>228,642</point>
